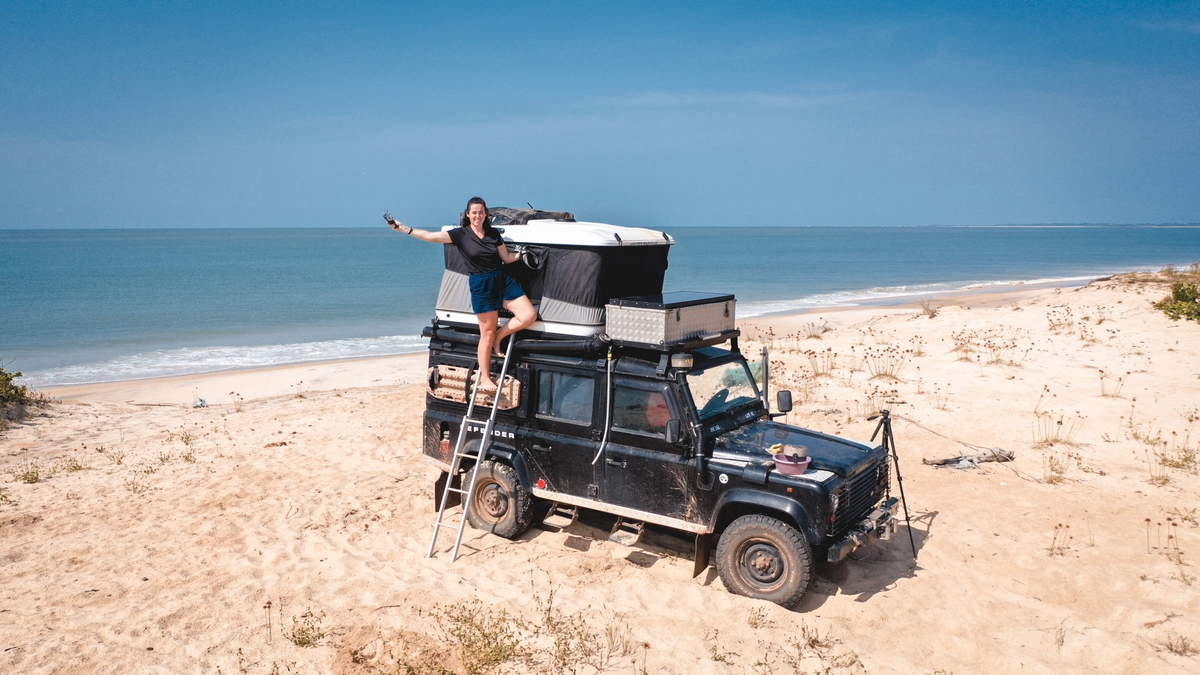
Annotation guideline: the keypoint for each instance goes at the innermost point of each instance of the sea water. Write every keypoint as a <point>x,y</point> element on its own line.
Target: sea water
<point>82,306</point>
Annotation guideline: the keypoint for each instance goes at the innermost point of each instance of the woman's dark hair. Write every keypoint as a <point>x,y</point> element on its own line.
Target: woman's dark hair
<point>487,218</point>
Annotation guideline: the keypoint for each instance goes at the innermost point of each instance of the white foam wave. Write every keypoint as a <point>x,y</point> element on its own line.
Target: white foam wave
<point>191,361</point>
<point>882,293</point>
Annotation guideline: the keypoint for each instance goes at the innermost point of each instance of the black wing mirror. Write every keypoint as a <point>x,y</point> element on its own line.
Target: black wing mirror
<point>783,401</point>
<point>673,431</point>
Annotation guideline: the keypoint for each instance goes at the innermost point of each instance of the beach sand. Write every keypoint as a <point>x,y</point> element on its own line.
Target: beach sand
<point>166,538</point>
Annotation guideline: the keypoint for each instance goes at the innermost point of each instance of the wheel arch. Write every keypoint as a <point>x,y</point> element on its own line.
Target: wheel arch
<point>740,502</point>
<point>511,457</point>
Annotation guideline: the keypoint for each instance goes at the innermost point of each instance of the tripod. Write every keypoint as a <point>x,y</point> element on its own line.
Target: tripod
<point>889,444</point>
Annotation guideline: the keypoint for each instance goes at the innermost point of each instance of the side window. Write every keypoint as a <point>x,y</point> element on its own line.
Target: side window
<point>565,396</point>
<point>640,411</point>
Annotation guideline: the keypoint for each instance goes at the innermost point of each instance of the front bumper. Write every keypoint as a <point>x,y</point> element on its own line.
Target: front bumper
<point>879,524</point>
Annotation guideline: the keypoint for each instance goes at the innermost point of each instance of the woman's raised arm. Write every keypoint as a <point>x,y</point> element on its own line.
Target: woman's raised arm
<point>438,237</point>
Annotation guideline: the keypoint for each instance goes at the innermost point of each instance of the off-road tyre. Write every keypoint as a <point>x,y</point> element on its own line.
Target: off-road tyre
<point>500,505</point>
<point>761,557</point>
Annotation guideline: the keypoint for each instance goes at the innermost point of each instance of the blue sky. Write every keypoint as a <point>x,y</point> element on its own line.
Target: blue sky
<point>169,114</point>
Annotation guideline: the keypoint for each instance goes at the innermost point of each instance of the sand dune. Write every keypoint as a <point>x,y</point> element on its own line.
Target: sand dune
<point>156,535</point>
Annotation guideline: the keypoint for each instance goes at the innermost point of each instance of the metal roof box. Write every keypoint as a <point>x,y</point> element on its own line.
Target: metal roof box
<point>666,319</point>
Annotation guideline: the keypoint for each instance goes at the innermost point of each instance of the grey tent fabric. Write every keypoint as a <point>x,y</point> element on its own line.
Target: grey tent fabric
<point>568,284</point>
<point>455,293</point>
<point>502,215</point>
<point>565,312</point>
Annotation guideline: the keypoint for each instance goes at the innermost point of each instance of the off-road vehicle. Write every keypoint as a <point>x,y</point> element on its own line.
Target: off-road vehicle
<point>639,404</point>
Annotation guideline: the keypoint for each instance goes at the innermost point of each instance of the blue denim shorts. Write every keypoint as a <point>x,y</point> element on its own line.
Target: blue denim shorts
<point>490,290</point>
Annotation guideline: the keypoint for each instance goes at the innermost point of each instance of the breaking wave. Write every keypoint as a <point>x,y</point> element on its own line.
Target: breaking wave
<point>192,361</point>
<point>883,294</point>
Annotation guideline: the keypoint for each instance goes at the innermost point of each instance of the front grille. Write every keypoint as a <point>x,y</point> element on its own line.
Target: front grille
<point>858,495</point>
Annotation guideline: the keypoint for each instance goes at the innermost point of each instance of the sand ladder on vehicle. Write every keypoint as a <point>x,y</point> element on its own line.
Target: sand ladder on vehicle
<point>460,454</point>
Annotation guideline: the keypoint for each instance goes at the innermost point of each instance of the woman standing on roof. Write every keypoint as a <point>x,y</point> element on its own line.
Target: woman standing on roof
<point>491,288</point>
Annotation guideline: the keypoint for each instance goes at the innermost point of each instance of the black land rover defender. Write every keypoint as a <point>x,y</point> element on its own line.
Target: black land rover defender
<point>676,434</point>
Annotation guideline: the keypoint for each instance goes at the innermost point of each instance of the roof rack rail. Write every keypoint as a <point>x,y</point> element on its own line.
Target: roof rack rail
<point>596,344</point>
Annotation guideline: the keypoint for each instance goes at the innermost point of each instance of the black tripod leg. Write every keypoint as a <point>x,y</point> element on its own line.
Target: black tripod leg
<point>890,441</point>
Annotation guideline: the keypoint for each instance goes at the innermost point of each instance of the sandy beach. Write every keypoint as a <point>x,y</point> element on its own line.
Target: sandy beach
<point>282,527</point>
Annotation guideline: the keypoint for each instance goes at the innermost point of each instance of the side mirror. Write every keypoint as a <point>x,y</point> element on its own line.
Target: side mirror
<point>783,400</point>
<point>673,431</point>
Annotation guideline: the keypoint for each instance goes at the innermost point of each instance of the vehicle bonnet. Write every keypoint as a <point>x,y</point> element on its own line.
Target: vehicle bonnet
<point>831,453</point>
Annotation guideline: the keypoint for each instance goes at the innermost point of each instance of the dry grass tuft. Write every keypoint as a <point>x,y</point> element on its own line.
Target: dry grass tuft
<point>1112,390</point>
<point>822,363</point>
<point>886,362</point>
<point>135,486</point>
<point>814,330</point>
<point>1159,475</point>
<point>30,472</point>
<point>1060,545</point>
<point>1054,468</point>
<point>306,628</point>
<point>1055,428</point>
<point>1180,646</point>
<point>928,309</point>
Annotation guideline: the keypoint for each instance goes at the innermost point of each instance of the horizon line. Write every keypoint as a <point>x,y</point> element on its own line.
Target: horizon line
<point>1084,225</point>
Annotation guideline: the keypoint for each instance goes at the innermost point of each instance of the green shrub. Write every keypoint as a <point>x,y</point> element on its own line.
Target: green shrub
<point>1184,302</point>
<point>15,398</point>
<point>10,393</point>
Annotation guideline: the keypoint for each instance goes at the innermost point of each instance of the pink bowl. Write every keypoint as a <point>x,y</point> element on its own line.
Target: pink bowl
<point>786,465</point>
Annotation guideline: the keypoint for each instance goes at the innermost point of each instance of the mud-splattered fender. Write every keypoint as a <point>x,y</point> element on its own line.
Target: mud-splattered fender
<point>757,501</point>
<point>510,456</point>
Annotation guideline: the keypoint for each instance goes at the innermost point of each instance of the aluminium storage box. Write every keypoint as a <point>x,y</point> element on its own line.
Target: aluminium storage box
<point>670,318</point>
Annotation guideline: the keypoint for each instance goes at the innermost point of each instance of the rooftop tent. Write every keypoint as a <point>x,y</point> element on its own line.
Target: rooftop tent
<point>502,216</point>
<point>571,271</point>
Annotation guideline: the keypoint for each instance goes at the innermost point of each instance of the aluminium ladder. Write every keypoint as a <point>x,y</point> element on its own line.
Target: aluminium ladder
<point>459,454</point>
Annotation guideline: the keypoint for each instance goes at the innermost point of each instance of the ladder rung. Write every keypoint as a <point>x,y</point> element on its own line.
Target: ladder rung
<point>459,455</point>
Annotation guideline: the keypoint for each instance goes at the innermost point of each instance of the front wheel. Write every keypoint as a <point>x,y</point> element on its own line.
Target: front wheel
<point>761,557</point>
<point>500,505</point>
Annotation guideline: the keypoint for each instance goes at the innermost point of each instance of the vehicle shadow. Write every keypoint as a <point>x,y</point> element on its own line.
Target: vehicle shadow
<point>656,544</point>
<point>864,576</point>
<point>879,570</point>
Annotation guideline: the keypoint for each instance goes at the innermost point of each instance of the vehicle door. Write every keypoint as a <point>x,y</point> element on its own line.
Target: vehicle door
<point>562,436</point>
<point>641,470</point>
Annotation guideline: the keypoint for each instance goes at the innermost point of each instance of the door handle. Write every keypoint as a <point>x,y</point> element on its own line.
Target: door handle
<point>541,448</point>
<point>613,462</point>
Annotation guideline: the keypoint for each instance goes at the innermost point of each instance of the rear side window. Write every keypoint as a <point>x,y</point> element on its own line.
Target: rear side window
<point>565,396</point>
<point>640,411</point>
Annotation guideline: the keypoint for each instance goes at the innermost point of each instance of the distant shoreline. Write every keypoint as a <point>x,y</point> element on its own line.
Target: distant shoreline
<point>684,227</point>
<point>104,306</point>
<point>368,371</point>
<point>909,299</point>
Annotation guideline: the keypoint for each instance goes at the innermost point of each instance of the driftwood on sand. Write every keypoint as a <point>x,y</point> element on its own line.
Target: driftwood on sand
<point>973,460</point>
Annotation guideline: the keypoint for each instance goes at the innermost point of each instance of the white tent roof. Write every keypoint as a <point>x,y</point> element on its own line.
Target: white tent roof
<point>566,233</point>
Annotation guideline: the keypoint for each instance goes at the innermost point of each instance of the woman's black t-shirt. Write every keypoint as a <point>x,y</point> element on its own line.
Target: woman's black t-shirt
<point>482,255</point>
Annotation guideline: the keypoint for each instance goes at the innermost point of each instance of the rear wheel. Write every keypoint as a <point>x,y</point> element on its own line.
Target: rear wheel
<point>762,557</point>
<point>500,505</point>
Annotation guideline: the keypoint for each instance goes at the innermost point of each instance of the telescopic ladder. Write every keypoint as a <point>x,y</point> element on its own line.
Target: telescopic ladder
<point>460,454</point>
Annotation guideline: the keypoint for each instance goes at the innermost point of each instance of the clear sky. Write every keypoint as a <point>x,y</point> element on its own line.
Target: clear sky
<point>206,114</point>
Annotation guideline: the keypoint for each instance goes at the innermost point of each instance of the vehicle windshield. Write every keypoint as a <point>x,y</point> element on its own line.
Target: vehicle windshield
<point>720,388</point>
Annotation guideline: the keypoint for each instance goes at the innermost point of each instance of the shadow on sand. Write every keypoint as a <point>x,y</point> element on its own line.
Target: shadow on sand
<point>877,571</point>
<point>863,575</point>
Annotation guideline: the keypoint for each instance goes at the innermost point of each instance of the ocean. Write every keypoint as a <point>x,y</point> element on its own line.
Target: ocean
<point>82,306</point>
